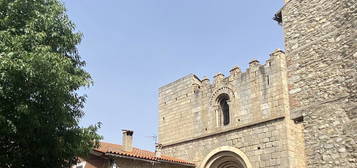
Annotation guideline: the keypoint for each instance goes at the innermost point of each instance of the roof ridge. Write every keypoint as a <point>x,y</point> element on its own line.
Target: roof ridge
<point>137,153</point>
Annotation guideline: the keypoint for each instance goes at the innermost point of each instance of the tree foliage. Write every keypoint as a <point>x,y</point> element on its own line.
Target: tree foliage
<point>40,74</point>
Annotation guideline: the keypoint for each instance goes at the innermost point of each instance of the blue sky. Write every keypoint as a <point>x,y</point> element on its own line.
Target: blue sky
<point>133,47</point>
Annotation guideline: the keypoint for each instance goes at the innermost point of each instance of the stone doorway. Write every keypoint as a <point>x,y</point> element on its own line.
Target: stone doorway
<point>226,157</point>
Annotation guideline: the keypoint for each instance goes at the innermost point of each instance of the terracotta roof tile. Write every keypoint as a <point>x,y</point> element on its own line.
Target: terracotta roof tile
<point>109,148</point>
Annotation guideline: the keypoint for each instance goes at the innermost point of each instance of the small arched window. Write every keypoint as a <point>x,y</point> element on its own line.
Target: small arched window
<point>223,100</point>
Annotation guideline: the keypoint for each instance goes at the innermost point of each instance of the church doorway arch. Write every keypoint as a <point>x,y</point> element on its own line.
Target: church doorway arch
<point>226,157</point>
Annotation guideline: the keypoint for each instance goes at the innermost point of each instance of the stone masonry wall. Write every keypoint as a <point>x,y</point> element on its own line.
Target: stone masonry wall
<point>321,49</point>
<point>191,121</point>
<point>174,102</point>
<point>262,143</point>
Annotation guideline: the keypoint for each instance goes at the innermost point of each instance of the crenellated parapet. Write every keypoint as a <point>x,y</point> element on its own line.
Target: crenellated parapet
<point>275,63</point>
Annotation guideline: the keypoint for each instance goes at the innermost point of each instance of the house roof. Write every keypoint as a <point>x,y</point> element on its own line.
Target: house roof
<point>115,149</point>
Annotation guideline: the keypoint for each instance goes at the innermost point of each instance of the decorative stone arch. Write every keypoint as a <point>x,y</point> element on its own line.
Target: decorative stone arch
<point>226,156</point>
<point>216,93</point>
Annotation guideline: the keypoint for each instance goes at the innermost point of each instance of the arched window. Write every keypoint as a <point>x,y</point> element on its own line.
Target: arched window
<point>223,100</point>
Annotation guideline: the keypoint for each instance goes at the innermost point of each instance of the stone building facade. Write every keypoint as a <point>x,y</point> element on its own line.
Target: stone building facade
<point>245,113</point>
<point>296,110</point>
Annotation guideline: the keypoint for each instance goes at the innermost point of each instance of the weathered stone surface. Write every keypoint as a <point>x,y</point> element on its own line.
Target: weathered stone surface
<point>321,49</point>
<point>191,121</point>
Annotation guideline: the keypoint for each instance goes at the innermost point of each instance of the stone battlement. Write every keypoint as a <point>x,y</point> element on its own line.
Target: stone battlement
<point>235,72</point>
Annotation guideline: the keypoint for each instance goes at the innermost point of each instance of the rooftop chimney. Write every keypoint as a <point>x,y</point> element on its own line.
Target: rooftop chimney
<point>127,140</point>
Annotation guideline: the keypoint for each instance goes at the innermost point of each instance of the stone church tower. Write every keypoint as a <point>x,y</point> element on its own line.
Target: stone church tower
<point>321,51</point>
<point>296,110</point>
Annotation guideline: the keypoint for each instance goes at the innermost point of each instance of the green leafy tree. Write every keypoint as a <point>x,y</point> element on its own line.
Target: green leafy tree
<point>40,74</point>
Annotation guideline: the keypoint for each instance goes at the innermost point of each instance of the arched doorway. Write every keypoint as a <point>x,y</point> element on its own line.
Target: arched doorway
<point>226,157</point>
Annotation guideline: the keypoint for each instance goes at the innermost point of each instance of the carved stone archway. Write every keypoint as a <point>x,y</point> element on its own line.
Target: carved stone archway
<point>226,157</point>
<point>222,90</point>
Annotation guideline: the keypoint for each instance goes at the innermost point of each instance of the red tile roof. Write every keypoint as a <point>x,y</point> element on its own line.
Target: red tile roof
<point>109,148</point>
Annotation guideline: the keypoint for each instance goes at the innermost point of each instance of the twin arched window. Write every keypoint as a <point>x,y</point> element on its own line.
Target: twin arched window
<point>223,100</point>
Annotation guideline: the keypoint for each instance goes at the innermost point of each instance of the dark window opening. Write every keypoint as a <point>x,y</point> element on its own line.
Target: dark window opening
<point>223,100</point>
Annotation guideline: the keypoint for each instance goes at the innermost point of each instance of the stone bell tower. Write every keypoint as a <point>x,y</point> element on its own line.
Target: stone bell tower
<point>321,51</point>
